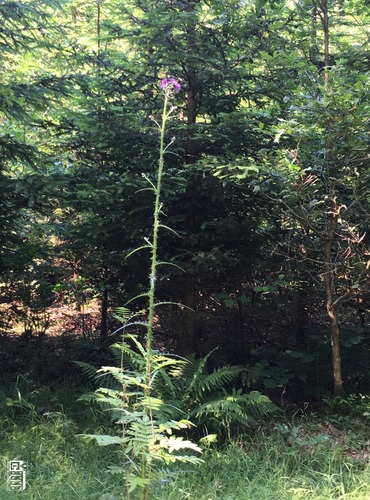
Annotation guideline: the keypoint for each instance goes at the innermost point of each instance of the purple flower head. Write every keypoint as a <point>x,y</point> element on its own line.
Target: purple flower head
<point>175,84</point>
<point>170,84</point>
<point>163,84</point>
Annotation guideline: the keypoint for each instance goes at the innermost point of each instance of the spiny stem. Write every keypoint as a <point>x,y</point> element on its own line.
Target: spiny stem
<point>153,270</point>
<point>145,467</point>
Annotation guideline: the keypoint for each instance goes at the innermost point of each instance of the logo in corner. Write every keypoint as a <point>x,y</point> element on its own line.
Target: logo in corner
<point>16,475</point>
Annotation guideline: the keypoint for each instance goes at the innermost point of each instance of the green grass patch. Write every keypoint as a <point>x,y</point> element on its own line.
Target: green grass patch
<point>265,468</point>
<point>312,458</point>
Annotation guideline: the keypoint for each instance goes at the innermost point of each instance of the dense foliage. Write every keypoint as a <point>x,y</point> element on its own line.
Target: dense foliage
<point>184,214</point>
<point>265,186</point>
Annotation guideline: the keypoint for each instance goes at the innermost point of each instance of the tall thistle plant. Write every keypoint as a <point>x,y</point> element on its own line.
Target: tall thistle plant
<point>147,424</point>
<point>169,87</point>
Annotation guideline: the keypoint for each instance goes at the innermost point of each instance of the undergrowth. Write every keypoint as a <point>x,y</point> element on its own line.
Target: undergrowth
<point>314,458</point>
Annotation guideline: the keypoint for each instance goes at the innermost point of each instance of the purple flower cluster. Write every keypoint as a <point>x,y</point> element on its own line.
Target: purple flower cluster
<point>170,83</point>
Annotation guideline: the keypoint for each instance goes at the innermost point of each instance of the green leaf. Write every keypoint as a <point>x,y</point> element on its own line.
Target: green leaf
<point>137,482</point>
<point>102,439</point>
<point>229,302</point>
<point>244,299</point>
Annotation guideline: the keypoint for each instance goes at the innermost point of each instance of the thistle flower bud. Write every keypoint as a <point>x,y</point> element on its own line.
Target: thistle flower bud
<point>170,84</point>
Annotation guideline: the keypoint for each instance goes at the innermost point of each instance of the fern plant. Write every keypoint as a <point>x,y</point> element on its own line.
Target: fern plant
<point>203,397</point>
<point>183,391</point>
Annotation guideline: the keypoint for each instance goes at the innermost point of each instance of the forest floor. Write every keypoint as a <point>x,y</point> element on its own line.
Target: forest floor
<point>318,456</point>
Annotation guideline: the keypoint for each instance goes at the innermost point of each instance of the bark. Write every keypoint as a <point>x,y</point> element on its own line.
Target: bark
<point>331,228</point>
<point>338,388</point>
<point>189,341</point>
<point>331,304</point>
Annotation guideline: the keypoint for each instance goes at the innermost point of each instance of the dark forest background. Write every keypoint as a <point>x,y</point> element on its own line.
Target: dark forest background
<point>266,186</point>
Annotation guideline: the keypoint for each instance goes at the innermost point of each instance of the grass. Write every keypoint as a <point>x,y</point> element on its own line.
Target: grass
<point>266,470</point>
<point>311,458</point>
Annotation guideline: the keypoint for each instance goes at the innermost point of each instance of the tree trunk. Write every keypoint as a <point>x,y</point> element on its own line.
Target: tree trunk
<point>331,306</point>
<point>338,389</point>
<point>332,216</point>
<point>189,342</point>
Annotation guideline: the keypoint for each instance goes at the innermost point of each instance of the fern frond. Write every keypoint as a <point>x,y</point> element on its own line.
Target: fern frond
<point>87,368</point>
<point>89,396</point>
<point>128,416</point>
<point>185,371</point>
<point>171,425</point>
<point>218,408</point>
<point>140,435</point>
<point>114,371</point>
<point>163,384</point>
<point>107,398</point>
<point>161,411</point>
<point>236,407</point>
<point>173,443</point>
<point>127,355</point>
<point>125,315</point>
<point>216,380</point>
<point>94,374</point>
<point>152,403</point>
<point>161,361</point>
<point>257,404</point>
<point>134,482</point>
<point>199,368</point>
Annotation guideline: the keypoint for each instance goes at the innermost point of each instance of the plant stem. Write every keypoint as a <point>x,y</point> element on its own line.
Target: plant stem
<point>145,471</point>
<point>154,262</point>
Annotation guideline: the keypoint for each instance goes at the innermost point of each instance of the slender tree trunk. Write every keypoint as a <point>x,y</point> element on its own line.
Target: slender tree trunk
<point>332,215</point>
<point>189,342</point>
<point>331,305</point>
